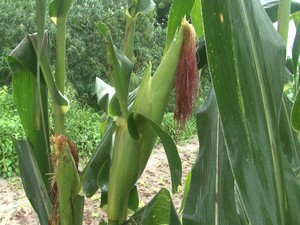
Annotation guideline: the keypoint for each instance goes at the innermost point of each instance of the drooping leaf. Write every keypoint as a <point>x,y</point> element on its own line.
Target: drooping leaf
<point>22,62</point>
<point>160,210</point>
<point>169,147</point>
<point>295,118</point>
<point>101,154</point>
<point>211,197</point>
<point>32,180</point>
<point>247,70</point>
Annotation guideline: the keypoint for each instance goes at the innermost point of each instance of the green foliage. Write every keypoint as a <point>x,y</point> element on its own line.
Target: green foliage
<point>10,127</point>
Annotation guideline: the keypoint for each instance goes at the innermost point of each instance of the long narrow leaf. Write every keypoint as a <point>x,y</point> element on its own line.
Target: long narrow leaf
<point>32,181</point>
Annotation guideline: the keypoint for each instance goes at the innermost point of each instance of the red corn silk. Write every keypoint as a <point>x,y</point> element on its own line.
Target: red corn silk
<point>187,80</point>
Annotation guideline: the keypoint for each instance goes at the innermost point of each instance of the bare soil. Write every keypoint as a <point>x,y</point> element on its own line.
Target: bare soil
<point>16,209</point>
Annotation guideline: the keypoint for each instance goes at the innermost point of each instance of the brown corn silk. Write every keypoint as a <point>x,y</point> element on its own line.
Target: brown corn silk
<point>187,80</point>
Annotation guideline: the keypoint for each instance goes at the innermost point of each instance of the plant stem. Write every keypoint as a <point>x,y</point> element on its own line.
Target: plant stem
<point>284,18</point>
<point>60,71</point>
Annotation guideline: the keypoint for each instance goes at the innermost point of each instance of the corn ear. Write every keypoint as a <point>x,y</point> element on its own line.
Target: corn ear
<point>66,181</point>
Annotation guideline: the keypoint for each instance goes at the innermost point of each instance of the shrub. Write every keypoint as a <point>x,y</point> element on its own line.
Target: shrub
<point>10,127</point>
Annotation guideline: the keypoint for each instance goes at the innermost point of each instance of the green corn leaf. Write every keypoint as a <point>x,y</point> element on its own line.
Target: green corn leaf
<point>57,97</point>
<point>120,69</point>
<point>288,136</point>
<point>296,50</point>
<point>94,165</point>
<point>168,143</point>
<point>196,17</point>
<point>104,94</point>
<point>178,10</point>
<point>160,210</point>
<point>295,118</point>
<point>59,8</point>
<point>211,197</point>
<point>103,175</point>
<point>248,70</point>
<point>133,202</point>
<point>140,6</point>
<point>32,180</point>
<point>22,62</point>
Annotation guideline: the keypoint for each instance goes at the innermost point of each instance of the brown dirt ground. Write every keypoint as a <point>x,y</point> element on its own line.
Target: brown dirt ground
<point>16,209</point>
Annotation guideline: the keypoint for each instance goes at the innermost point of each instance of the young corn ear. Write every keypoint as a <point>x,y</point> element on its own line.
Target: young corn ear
<point>130,156</point>
<point>66,181</point>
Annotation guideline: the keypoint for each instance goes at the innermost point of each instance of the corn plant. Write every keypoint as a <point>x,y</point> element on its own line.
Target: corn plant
<point>247,167</point>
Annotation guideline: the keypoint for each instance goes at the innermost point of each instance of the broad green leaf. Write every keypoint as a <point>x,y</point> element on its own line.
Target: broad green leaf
<point>22,62</point>
<point>178,10</point>
<point>160,210</point>
<point>169,146</point>
<point>32,180</point>
<point>94,165</point>
<point>211,197</point>
<point>247,62</point>
<point>271,7</point>
<point>59,9</point>
<point>296,50</point>
<point>120,68</point>
<point>196,17</point>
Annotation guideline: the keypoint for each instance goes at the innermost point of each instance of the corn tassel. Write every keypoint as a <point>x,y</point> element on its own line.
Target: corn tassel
<point>130,156</point>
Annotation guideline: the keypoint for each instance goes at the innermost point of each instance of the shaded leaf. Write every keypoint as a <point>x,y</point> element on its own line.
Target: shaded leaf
<point>104,94</point>
<point>160,210</point>
<point>169,147</point>
<point>32,180</point>
<point>94,165</point>
<point>211,197</point>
